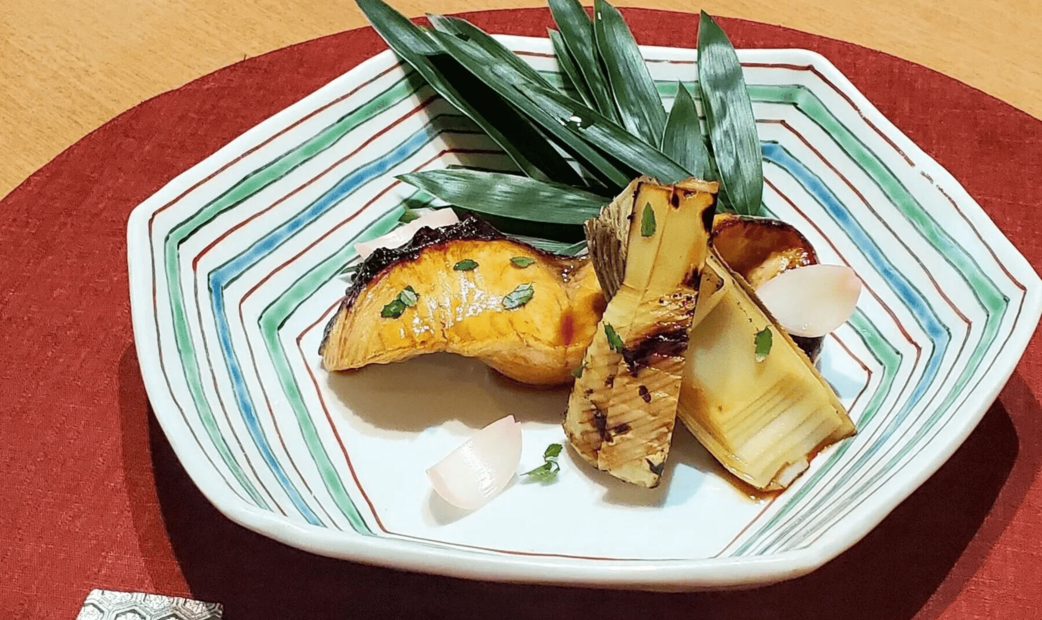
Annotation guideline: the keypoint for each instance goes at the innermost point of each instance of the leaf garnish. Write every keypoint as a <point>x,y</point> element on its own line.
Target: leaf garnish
<point>408,297</point>
<point>566,62</point>
<point>548,470</point>
<point>682,139</point>
<point>578,372</point>
<point>764,341</point>
<point>393,310</point>
<point>638,101</point>
<point>466,264</point>
<point>577,32</point>
<point>614,341</point>
<point>509,195</point>
<point>519,296</point>
<point>510,130</point>
<point>408,215</point>
<point>405,299</point>
<point>511,84</point>
<point>729,116</point>
<point>522,261</point>
<point>647,221</point>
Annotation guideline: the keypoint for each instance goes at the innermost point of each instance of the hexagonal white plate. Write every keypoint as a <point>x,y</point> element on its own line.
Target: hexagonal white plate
<point>234,272</point>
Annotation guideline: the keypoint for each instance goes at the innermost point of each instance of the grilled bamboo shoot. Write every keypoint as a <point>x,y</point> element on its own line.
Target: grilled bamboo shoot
<point>622,408</point>
<point>765,419</point>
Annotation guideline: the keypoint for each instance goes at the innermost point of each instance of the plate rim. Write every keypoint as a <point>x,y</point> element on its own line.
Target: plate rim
<point>675,574</point>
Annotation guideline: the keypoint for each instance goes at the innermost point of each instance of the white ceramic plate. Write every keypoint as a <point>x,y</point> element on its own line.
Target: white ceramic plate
<point>234,272</point>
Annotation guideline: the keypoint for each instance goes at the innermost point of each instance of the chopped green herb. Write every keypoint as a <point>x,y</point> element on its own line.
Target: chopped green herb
<point>408,216</point>
<point>519,296</point>
<point>465,265</point>
<point>408,297</point>
<point>548,470</point>
<point>393,310</point>
<point>578,372</point>
<point>522,261</point>
<point>405,299</point>
<point>764,340</point>
<point>614,341</point>
<point>647,222</point>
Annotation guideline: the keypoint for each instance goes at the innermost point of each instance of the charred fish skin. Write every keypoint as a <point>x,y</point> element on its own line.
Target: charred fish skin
<point>622,409</point>
<point>529,319</point>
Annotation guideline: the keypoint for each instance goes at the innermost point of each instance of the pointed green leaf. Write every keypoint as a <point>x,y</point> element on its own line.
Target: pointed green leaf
<point>508,82</point>
<point>729,116</point>
<point>532,153</point>
<point>467,264</point>
<point>408,296</point>
<point>519,296</point>
<point>568,67</point>
<point>614,341</point>
<point>764,341</point>
<point>577,32</point>
<point>647,221</point>
<point>554,247</point>
<point>466,31</point>
<point>393,310</point>
<point>509,195</point>
<point>636,97</point>
<point>682,139</point>
<point>522,262</point>
<point>605,135</point>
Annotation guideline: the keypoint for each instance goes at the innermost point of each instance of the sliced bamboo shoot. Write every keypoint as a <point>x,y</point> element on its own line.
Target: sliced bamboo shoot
<point>763,420</point>
<point>622,408</point>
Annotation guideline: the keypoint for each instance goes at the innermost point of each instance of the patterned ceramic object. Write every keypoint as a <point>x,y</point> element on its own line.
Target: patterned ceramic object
<point>235,269</point>
<point>112,605</point>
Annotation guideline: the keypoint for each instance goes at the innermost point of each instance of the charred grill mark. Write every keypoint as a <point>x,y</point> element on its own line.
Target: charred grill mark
<point>707,216</point>
<point>810,346</point>
<point>600,422</point>
<point>674,199</point>
<point>609,381</point>
<point>587,393</point>
<point>644,393</point>
<point>671,343</point>
<point>621,429</point>
<point>693,278</point>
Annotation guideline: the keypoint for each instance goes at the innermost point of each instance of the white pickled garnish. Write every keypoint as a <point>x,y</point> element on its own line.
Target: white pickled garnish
<point>474,473</point>
<point>811,301</point>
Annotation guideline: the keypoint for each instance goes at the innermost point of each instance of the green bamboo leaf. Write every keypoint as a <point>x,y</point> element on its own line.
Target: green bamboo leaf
<point>509,195</point>
<point>682,139</point>
<point>568,67</point>
<point>577,32</point>
<point>553,246</point>
<point>605,135</point>
<point>466,31</point>
<point>729,116</point>
<point>532,153</point>
<point>638,101</point>
<point>508,83</point>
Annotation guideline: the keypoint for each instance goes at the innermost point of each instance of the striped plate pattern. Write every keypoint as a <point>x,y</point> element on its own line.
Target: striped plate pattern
<point>236,265</point>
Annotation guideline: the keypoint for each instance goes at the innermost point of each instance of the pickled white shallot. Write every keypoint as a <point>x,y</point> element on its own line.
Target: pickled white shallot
<point>811,301</point>
<point>472,474</point>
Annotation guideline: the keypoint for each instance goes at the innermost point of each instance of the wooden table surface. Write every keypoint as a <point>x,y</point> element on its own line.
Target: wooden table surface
<point>67,67</point>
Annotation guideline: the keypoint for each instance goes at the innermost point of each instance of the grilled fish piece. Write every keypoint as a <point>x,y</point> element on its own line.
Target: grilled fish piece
<point>648,247</point>
<point>530,321</point>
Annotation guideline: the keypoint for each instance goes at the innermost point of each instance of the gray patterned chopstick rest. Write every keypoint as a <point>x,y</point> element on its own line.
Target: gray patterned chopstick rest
<point>109,605</point>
